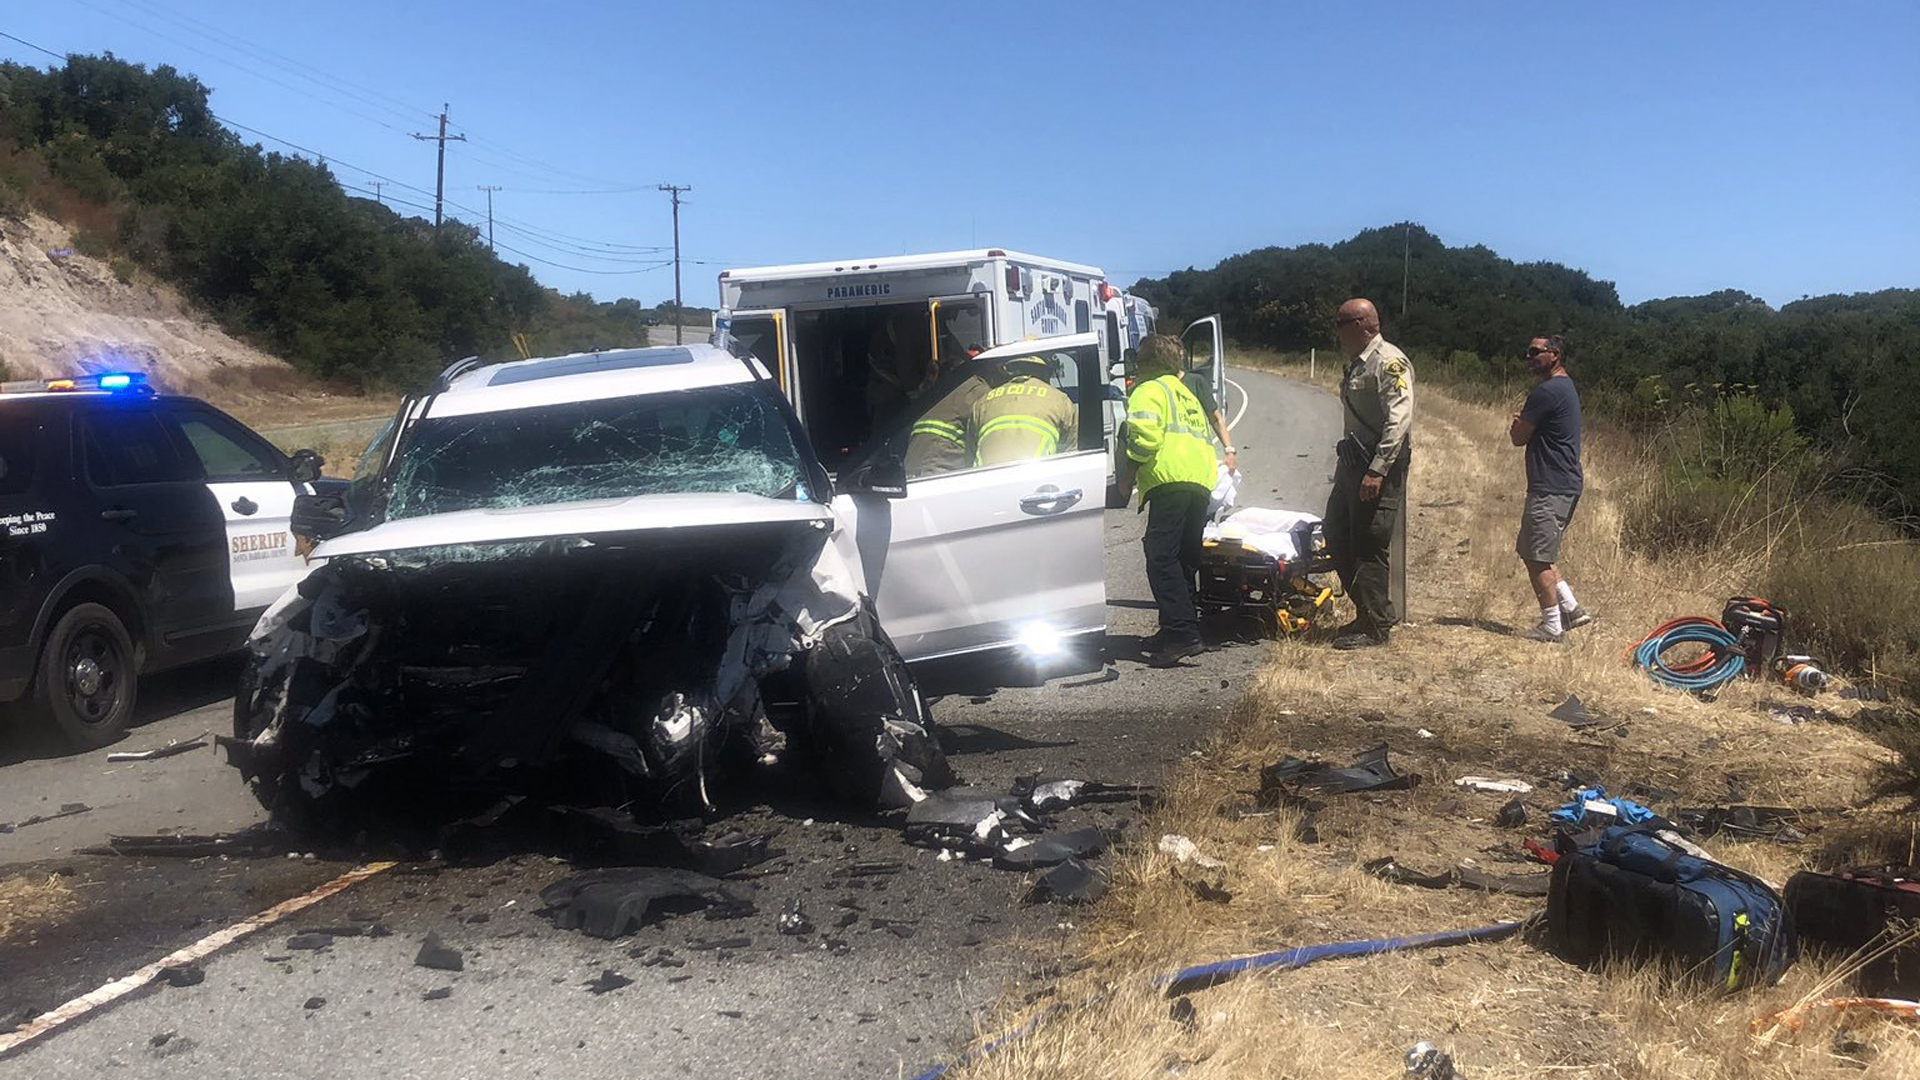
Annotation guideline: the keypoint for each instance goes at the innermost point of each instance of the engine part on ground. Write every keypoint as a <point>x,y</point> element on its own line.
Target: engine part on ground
<point>1723,661</point>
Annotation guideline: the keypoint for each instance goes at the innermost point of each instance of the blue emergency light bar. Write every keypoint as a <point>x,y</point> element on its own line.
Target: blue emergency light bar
<point>110,381</point>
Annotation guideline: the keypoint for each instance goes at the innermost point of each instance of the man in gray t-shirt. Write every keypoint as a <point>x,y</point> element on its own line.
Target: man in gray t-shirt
<point>1548,425</point>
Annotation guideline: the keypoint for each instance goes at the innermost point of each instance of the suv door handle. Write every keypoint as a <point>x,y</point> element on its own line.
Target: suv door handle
<point>1050,500</point>
<point>119,513</point>
<point>245,506</point>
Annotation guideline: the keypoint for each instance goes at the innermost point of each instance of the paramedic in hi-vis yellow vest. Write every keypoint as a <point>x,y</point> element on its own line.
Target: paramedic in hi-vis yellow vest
<point>1025,417</point>
<point>1167,442</point>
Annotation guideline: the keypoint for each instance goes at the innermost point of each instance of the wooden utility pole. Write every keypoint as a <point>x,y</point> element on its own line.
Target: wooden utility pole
<point>674,190</point>
<point>440,166</point>
<point>377,185</point>
<point>1406,268</point>
<point>490,189</point>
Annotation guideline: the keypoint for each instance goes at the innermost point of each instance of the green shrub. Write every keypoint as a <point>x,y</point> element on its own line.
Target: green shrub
<point>90,243</point>
<point>1464,365</point>
<point>122,269</point>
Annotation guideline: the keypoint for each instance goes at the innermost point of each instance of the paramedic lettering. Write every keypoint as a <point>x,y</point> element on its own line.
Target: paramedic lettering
<point>849,292</point>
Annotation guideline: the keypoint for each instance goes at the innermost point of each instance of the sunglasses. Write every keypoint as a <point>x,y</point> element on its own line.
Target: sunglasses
<point>1537,352</point>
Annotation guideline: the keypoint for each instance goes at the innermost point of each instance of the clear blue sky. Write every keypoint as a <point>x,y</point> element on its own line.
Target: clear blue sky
<point>1672,148</point>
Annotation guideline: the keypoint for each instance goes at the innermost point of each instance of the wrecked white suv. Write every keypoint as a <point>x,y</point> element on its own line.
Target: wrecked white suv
<point>591,579</point>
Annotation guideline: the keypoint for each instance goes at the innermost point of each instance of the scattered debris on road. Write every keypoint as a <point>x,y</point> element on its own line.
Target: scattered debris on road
<point>1072,882</point>
<point>177,746</point>
<point>437,956</point>
<point>609,903</point>
<point>793,921</point>
<point>183,975</point>
<point>66,810</point>
<point>260,840</point>
<point>606,982</point>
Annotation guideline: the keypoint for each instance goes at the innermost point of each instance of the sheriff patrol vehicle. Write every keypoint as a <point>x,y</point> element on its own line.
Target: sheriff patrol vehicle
<point>138,532</point>
<point>852,342</point>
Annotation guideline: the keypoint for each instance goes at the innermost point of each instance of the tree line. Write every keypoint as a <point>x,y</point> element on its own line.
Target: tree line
<point>344,288</point>
<point>1841,369</point>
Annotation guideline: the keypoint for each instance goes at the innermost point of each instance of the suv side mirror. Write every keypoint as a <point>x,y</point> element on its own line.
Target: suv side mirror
<point>307,466</point>
<point>885,477</point>
<point>320,517</point>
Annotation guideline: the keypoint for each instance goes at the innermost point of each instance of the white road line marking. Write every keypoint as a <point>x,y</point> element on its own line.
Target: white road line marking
<point>48,1022</point>
<point>1243,404</point>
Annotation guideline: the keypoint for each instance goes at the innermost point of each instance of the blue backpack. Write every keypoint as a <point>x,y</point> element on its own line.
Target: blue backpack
<point>1627,895</point>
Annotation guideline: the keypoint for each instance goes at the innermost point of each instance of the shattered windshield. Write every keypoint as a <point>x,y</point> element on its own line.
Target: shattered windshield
<point>717,439</point>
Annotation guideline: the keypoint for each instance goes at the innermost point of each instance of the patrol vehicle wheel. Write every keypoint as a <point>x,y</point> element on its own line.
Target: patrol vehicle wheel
<point>86,682</point>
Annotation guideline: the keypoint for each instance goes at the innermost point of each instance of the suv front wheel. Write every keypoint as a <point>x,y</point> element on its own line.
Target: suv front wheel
<point>86,682</point>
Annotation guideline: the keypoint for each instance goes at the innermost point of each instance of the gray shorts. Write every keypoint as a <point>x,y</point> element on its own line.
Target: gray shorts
<point>1542,524</point>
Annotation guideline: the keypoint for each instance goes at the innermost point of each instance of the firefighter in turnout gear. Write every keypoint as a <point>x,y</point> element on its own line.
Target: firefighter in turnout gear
<point>1025,417</point>
<point>1167,441</point>
<point>942,440</point>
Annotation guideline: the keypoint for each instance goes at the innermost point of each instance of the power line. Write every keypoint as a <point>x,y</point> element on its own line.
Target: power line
<point>365,94</point>
<point>31,45</point>
<point>236,64</point>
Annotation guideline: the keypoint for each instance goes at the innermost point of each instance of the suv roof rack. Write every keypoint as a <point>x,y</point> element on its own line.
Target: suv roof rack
<point>454,370</point>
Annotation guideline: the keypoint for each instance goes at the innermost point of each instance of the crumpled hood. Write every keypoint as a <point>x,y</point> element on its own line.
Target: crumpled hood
<point>589,518</point>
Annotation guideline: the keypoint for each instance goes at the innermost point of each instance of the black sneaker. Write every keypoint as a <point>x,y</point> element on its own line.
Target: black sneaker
<point>1171,653</point>
<point>1358,640</point>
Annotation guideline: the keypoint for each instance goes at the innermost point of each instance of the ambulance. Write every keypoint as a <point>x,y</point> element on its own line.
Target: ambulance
<point>852,342</point>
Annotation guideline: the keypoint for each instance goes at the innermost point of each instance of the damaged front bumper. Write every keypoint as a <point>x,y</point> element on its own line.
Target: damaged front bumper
<point>619,669</point>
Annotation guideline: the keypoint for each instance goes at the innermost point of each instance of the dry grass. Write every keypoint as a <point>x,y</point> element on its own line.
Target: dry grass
<point>1481,695</point>
<point>26,902</point>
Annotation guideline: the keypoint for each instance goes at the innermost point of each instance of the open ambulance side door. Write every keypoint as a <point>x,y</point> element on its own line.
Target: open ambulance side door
<point>984,557</point>
<point>764,334</point>
<point>1206,348</point>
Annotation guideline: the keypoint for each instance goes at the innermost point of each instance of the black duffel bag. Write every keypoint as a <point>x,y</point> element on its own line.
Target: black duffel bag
<point>1628,895</point>
<point>1846,911</point>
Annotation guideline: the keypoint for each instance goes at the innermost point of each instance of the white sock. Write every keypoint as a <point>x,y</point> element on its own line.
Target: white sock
<point>1550,619</point>
<point>1566,596</point>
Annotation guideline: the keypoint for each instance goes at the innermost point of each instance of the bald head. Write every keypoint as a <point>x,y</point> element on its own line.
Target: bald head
<point>1355,325</point>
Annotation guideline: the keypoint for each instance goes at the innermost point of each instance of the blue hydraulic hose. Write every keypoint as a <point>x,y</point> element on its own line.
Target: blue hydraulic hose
<point>1201,976</point>
<point>1725,663</point>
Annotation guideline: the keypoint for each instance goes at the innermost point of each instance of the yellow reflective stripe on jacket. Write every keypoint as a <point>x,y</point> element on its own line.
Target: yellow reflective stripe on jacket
<point>1163,418</point>
<point>1049,435</point>
<point>941,429</point>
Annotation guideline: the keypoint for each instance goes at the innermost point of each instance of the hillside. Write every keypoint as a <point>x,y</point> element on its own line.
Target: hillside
<point>62,313</point>
<point>1836,368</point>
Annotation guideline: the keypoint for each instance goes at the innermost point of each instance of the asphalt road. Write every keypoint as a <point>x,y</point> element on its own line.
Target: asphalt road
<point>898,970</point>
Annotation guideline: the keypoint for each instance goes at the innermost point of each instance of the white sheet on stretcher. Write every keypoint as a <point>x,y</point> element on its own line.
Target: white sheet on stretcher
<point>1275,532</point>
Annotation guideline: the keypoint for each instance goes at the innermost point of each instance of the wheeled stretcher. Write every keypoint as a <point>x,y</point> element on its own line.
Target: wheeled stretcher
<point>1268,566</point>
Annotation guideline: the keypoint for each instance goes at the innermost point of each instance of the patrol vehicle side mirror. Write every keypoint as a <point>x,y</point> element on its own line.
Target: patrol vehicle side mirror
<point>320,517</point>
<point>1117,369</point>
<point>307,466</point>
<point>885,477</point>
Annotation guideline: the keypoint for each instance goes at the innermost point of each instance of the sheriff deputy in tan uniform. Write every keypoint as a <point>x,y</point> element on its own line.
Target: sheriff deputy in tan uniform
<point>1370,481</point>
<point>1025,417</point>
